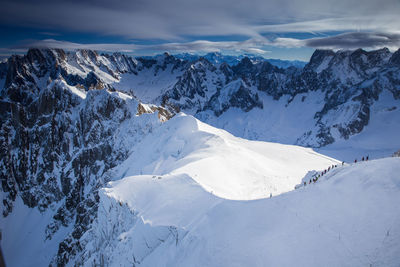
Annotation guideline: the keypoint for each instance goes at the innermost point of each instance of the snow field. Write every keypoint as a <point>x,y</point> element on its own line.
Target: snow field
<point>348,218</point>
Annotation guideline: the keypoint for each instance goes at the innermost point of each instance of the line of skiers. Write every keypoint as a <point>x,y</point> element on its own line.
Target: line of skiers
<point>363,159</point>
<point>315,178</point>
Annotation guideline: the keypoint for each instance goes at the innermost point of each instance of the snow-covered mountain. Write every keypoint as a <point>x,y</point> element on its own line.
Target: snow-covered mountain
<point>337,94</point>
<point>217,58</point>
<point>334,99</point>
<point>73,121</point>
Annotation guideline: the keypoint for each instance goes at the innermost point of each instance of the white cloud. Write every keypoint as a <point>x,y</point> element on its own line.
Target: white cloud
<point>351,40</point>
<point>249,46</point>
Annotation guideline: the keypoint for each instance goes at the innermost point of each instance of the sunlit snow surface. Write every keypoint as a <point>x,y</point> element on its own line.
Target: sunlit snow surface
<point>203,199</point>
<point>230,167</point>
<point>348,218</point>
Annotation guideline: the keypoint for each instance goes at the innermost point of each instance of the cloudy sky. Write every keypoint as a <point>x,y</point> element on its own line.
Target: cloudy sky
<point>271,28</point>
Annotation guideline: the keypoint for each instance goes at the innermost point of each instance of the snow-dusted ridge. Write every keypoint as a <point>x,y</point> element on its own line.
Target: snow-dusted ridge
<point>228,166</point>
<point>347,218</point>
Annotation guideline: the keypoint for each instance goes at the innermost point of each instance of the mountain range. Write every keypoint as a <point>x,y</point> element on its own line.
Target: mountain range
<point>72,121</point>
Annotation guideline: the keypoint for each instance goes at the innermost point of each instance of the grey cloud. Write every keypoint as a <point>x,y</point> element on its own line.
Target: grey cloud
<point>177,19</point>
<point>362,23</point>
<point>356,40</point>
<point>249,46</point>
<point>51,43</point>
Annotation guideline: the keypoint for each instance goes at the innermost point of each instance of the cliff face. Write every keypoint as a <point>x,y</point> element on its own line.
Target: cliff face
<point>60,133</point>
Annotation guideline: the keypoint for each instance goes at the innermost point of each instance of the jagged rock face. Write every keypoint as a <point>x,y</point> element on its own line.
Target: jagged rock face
<point>356,77</point>
<point>235,94</point>
<point>57,145</point>
<point>205,87</point>
<point>319,57</point>
<point>48,156</point>
<point>395,59</point>
<point>194,86</point>
<point>346,77</point>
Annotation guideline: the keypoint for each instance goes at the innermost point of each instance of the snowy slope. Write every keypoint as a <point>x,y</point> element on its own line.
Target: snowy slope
<point>228,166</point>
<point>294,122</point>
<point>24,241</point>
<point>276,122</point>
<point>348,218</point>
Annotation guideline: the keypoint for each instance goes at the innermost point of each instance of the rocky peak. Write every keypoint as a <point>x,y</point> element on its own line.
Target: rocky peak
<point>359,53</point>
<point>165,60</point>
<point>122,63</point>
<point>318,57</point>
<point>244,65</point>
<point>146,62</point>
<point>40,61</point>
<point>202,64</point>
<point>365,60</point>
<point>245,70</point>
<point>395,58</point>
<point>40,56</point>
<point>89,55</point>
<point>383,54</point>
<point>227,71</point>
<point>3,69</point>
<point>267,67</point>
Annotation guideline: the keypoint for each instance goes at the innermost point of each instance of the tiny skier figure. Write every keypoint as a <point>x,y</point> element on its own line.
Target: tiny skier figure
<point>362,159</point>
<point>367,158</point>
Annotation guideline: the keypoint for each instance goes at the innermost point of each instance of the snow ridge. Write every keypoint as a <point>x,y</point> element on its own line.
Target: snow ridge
<point>347,218</point>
